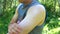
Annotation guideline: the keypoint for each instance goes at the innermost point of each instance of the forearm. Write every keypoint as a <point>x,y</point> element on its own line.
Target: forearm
<point>27,25</point>
<point>14,19</point>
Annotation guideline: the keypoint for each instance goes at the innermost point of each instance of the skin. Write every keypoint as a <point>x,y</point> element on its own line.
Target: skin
<point>35,17</point>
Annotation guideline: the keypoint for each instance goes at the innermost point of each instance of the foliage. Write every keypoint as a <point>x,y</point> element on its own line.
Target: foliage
<point>52,26</point>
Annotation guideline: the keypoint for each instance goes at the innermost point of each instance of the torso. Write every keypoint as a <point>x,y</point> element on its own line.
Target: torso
<point>22,13</point>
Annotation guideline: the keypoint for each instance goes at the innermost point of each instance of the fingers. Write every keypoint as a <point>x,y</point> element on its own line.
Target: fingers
<point>9,30</point>
<point>14,28</point>
<point>17,27</point>
<point>13,31</point>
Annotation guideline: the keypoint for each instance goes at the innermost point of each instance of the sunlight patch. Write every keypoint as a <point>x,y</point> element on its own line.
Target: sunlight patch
<point>58,18</point>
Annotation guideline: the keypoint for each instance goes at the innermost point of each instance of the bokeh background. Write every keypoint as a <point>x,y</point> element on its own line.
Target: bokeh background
<point>52,26</point>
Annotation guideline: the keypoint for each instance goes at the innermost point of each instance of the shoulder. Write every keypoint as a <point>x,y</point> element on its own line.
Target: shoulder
<point>16,12</point>
<point>19,5</point>
<point>37,8</point>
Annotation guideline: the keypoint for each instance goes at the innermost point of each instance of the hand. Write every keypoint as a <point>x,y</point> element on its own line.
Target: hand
<point>14,29</point>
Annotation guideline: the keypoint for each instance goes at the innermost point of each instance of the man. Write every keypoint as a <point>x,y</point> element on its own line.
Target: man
<point>28,18</point>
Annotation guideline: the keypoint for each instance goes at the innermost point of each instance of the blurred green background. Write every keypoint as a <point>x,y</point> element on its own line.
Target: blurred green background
<point>52,26</point>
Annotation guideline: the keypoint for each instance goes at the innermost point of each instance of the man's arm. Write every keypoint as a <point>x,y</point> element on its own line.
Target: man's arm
<point>14,19</point>
<point>13,22</point>
<point>34,16</point>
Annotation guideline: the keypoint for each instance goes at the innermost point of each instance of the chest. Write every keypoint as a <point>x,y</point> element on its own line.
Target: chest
<point>22,12</point>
